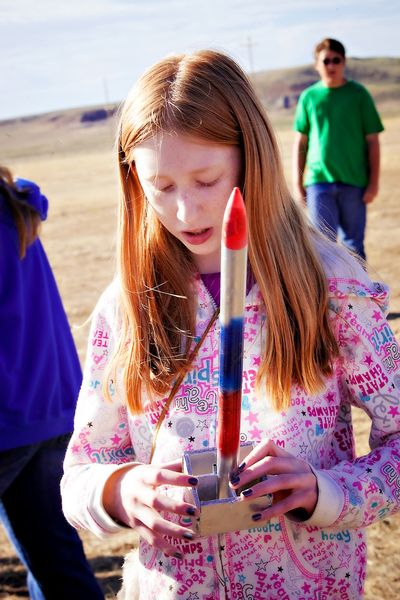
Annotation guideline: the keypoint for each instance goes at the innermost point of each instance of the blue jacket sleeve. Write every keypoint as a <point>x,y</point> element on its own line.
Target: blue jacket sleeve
<point>11,316</point>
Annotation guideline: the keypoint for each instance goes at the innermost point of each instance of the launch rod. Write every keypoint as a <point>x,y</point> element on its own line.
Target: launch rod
<point>233,294</point>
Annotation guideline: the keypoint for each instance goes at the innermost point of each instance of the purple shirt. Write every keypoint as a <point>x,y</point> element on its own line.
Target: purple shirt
<point>212,281</point>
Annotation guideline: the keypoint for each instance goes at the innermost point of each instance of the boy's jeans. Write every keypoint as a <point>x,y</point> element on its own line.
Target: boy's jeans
<point>337,208</point>
<point>30,510</point>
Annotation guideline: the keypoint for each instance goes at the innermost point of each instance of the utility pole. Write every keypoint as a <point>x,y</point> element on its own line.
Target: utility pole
<point>250,45</point>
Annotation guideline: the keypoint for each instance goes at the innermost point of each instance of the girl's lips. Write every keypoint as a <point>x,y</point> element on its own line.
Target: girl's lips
<point>198,236</point>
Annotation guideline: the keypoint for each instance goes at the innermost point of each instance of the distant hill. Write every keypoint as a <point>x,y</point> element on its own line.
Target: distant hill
<point>277,88</point>
<point>281,87</point>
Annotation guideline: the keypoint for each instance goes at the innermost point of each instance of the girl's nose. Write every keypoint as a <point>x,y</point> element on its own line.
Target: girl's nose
<point>187,208</point>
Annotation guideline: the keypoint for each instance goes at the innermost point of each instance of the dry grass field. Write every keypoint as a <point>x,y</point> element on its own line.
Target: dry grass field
<point>74,164</point>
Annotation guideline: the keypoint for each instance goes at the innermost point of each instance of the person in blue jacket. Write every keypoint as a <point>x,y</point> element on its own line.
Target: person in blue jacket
<point>40,377</point>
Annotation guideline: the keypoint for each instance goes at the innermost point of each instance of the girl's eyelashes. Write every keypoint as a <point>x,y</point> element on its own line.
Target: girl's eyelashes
<point>170,187</point>
<point>207,183</point>
<point>166,189</point>
<point>156,188</point>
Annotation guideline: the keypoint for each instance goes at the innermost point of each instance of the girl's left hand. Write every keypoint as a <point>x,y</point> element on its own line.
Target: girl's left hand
<point>289,479</point>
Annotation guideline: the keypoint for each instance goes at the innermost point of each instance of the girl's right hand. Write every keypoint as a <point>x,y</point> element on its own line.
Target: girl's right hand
<point>132,498</point>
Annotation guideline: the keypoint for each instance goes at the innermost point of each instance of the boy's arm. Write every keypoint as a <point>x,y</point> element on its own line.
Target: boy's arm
<point>299,155</point>
<point>373,149</point>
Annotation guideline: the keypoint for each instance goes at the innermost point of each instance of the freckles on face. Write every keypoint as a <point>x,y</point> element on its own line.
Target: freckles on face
<point>187,181</point>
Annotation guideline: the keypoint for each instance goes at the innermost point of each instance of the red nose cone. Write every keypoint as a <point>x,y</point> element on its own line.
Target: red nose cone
<point>234,227</point>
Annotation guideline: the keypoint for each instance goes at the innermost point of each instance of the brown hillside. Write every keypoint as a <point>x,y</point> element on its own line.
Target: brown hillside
<point>381,75</point>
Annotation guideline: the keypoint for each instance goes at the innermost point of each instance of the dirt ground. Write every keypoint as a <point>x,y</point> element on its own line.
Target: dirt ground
<point>74,164</point>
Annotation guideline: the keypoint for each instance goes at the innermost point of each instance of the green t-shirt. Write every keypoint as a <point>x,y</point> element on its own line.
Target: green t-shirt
<point>336,121</point>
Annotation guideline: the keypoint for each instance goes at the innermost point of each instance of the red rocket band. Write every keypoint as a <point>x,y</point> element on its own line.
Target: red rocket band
<point>233,294</point>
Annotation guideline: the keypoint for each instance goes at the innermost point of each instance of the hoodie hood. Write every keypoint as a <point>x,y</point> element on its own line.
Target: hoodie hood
<point>32,195</point>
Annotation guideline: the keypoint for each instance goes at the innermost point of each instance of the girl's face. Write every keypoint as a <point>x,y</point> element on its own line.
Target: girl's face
<point>188,181</point>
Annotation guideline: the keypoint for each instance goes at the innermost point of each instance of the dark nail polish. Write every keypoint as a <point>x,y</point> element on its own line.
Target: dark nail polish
<point>247,492</point>
<point>178,555</point>
<point>188,535</point>
<point>193,480</point>
<point>256,516</point>
<point>241,467</point>
<point>190,511</point>
<point>235,479</point>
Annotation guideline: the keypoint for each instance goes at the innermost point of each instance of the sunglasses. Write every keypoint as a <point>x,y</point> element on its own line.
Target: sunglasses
<point>336,60</point>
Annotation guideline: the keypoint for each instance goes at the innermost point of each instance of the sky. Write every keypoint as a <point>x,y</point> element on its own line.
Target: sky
<point>61,54</point>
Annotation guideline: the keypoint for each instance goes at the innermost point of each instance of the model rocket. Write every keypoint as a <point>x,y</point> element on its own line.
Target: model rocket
<point>233,293</point>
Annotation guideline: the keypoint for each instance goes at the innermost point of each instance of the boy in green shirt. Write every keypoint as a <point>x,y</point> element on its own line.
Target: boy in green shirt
<point>337,127</point>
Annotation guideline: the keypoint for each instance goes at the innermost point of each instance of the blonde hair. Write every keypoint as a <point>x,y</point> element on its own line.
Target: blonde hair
<point>208,96</point>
